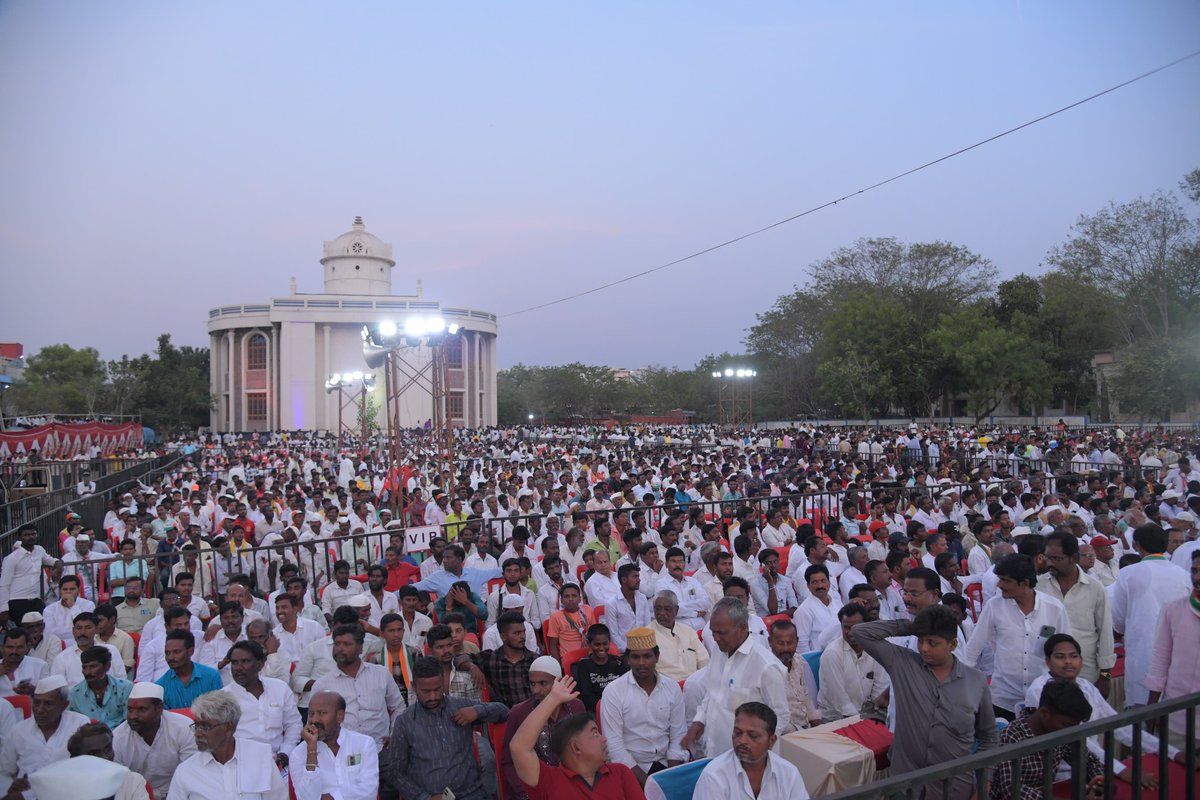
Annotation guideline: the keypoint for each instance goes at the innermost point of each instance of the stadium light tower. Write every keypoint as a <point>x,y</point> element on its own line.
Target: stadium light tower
<point>393,345</point>
<point>735,396</point>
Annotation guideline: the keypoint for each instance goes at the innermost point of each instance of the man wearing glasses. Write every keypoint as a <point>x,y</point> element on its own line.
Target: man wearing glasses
<point>225,768</point>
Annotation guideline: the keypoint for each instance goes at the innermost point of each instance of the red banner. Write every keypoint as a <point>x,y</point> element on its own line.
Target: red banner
<point>58,440</point>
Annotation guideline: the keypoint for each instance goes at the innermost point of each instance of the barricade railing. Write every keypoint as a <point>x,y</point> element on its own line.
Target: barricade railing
<point>50,519</point>
<point>979,765</point>
<point>62,488</point>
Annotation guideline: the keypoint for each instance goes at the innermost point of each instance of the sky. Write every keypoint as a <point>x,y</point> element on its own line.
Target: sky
<point>161,159</point>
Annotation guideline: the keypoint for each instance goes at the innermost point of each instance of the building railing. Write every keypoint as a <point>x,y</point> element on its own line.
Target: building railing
<point>912,784</point>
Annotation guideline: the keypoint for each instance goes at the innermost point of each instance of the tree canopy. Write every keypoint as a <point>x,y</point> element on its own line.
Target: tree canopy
<point>168,389</point>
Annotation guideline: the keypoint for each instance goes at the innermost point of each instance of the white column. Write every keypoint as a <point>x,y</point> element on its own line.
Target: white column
<point>329,416</point>
<point>229,383</point>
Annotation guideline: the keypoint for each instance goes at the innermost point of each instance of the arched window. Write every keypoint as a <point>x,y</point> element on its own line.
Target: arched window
<point>256,352</point>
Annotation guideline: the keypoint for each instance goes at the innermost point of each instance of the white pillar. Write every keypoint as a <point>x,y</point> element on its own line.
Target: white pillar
<point>328,416</point>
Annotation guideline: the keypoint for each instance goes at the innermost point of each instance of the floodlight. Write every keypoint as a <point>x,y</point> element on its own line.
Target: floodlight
<point>387,328</point>
<point>728,372</point>
<point>435,324</point>
<point>453,329</point>
<point>414,326</point>
<point>335,378</point>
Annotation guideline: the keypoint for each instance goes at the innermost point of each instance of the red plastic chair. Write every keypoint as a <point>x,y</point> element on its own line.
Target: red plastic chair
<point>496,735</point>
<point>185,712</point>
<point>582,568</point>
<point>137,641</point>
<point>597,613</point>
<point>599,726</point>
<point>492,584</point>
<point>771,620</point>
<point>472,638</point>
<point>784,553</point>
<point>22,703</point>
<point>975,600</point>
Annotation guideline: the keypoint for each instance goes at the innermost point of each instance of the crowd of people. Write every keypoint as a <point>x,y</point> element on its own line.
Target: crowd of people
<point>585,609</point>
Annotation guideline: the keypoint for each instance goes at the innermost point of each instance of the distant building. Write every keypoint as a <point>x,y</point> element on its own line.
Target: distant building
<point>12,362</point>
<point>270,360</point>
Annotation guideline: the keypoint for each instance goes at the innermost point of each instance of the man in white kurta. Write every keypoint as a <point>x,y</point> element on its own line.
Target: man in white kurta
<point>28,746</point>
<point>351,773</point>
<point>642,712</point>
<point>1137,597</point>
<point>151,742</point>
<point>269,713</point>
<point>849,677</point>
<point>742,671</point>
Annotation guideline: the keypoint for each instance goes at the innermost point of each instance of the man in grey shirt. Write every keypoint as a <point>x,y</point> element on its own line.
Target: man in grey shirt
<point>432,741</point>
<point>943,705</point>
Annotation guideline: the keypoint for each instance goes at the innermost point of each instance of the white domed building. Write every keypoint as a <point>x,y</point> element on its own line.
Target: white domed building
<point>270,361</point>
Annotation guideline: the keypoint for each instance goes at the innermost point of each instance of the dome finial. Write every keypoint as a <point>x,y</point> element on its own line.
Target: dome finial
<point>358,223</point>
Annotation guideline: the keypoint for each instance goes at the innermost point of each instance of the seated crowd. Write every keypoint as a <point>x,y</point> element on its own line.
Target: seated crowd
<point>226,636</point>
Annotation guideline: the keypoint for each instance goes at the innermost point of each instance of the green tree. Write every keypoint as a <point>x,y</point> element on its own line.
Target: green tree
<point>174,391</point>
<point>1145,254</point>
<point>990,363</point>
<point>855,385</point>
<point>1157,377</point>
<point>59,379</point>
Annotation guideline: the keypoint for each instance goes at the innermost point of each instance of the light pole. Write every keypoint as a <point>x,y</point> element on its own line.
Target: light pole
<point>735,396</point>
<point>385,344</point>
<point>342,383</point>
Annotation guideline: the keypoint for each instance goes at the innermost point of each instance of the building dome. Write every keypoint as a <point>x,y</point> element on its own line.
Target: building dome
<point>358,262</point>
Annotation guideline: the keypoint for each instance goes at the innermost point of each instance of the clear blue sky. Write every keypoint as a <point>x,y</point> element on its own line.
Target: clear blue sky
<point>159,159</point>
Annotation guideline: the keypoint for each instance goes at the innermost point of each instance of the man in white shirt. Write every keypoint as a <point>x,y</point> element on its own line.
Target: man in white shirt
<point>1016,625</point>
<point>60,615</point>
<point>849,677</point>
<point>81,562</point>
<point>269,712</point>
<point>226,767</point>
<point>531,608</point>
<point>750,762</point>
<point>372,697</point>
<point>338,593</point>
<point>818,611</point>
<point>642,712</point>
<point>693,599</point>
<point>629,609</point>
<point>332,760</point>
<point>19,671</point>
<point>1137,597</point>
<point>152,660</point>
<point>21,576</point>
<point>604,586</point>
<point>742,671</point>
<point>293,632</point>
<point>150,742</point>
<point>1063,662</point>
<point>40,740</point>
<point>69,664</point>
<point>381,601</point>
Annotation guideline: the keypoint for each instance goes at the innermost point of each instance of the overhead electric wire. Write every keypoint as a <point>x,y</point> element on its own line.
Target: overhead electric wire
<point>863,190</point>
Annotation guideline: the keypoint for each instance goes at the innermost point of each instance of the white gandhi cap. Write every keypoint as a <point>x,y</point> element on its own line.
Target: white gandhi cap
<point>49,684</point>
<point>146,691</point>
<point>79,778</point>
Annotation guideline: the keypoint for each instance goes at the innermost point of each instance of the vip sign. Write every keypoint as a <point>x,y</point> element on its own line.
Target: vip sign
<point>416,540</point>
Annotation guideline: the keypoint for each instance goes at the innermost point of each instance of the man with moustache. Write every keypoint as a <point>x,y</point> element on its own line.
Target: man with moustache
<point>333,760</point>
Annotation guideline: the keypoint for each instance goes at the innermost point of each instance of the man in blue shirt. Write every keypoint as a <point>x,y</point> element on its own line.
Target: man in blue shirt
<point>99,696</point>
<point>185,680</point>
<point>452,572</point>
